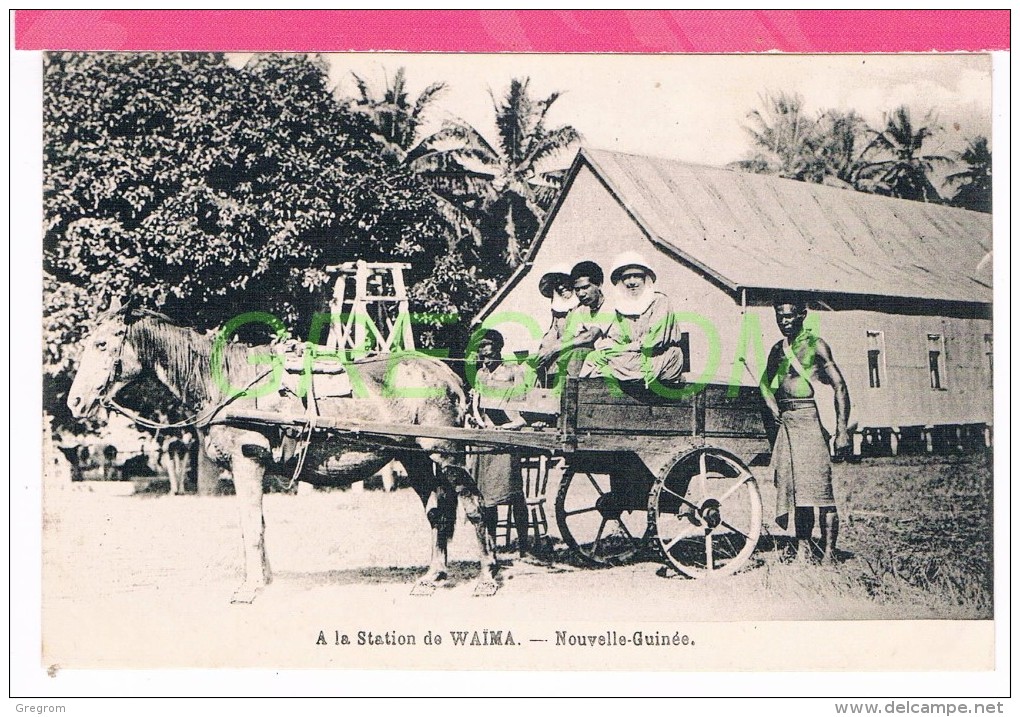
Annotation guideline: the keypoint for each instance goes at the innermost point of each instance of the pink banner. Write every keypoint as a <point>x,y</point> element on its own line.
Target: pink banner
<point>515,30</point>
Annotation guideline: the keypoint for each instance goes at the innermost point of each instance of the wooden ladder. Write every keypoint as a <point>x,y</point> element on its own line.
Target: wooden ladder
<point>371,318</point>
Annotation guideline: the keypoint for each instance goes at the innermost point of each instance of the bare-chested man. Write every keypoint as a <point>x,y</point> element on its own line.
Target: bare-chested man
<point>800,457</point>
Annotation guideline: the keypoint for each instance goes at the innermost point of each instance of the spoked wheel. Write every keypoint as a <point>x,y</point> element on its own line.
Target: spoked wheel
<point>602,526</point>
<point>704,512</point>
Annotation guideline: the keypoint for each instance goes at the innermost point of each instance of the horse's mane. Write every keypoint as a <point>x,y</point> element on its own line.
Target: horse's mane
<point>185,355</point>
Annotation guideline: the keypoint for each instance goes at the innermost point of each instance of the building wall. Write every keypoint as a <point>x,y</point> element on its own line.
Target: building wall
<point>592,225</point>
<point>906,397</point>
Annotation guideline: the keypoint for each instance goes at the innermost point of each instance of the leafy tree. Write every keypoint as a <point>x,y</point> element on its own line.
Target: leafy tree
<point>901,168</point>
<point>974,184</point>
<point>208,190</point>
<point>508,177</point>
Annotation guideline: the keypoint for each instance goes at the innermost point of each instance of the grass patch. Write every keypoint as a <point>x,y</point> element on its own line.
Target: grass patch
<point>920,531</point>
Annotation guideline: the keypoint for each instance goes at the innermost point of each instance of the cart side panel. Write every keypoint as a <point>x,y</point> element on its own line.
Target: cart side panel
<point>737,416</point>
<point>605,408</point>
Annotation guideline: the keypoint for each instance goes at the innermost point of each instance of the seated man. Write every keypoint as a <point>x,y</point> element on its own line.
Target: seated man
<point>557,286</point>
<point>645,341</point>
<point>584,325</point>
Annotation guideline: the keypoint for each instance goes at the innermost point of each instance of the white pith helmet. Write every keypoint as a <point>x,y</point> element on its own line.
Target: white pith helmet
<point>628,260</point>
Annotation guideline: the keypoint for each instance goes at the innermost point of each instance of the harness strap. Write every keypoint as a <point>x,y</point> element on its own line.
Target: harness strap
<point>312,412</point>
<point>313,419</point>
<point>199,420</point>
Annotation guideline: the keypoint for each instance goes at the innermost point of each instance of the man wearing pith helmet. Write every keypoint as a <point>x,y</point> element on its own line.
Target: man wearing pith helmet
<point>645,341</point>
<point>557,286</point>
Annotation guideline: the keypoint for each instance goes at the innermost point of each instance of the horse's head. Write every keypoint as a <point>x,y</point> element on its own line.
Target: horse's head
<point>108,363</point>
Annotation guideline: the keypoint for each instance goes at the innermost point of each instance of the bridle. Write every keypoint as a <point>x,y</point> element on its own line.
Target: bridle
<point>113,374</point>
<point>198,420</point>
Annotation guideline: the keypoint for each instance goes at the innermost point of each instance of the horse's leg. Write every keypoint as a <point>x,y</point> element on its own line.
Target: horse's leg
<point>247,469</point>
<point>179,459</point>
<point>440,503</point>
<point>471,499</point>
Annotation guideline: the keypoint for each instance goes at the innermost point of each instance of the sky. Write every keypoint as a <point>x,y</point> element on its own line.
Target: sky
<point>692,107</point>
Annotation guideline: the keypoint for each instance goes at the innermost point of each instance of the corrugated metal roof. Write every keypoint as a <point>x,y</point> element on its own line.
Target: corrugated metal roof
<point>757,231</point>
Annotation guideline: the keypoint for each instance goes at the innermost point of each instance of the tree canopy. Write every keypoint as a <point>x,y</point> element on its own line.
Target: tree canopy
<point>509,181</point>
<point>837,147</point>
<point>204,189</point>
<point>208,190</point>
<point>901,169</point>
<point>974,183</point>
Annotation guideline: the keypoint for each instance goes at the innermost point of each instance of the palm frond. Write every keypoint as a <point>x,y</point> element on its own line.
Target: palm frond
<point>513,115</point>
<point>427,96</point>
<point>551,143</point>
<point>545,195</point>
<point>363,89</point>
<point>471,143</point>
<point>555,177</point>
<point>878,141</point>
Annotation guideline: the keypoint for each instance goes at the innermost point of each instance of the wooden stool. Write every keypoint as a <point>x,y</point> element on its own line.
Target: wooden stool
<point>535,477</point>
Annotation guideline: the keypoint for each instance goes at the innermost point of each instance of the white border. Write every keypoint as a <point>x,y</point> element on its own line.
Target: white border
<point>29,678</point>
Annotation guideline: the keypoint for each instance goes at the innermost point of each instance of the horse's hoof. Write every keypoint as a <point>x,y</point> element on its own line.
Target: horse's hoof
<point>485,588</point>
<point>424,588</point>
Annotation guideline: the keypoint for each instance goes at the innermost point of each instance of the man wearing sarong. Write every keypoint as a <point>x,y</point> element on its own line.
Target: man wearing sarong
<point>800,457</point>
<point>585,324</point>
<point>644,343</point>
<point>497,474</point>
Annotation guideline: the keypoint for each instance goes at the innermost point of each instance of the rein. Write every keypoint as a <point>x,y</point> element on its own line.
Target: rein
<point>199,420</point>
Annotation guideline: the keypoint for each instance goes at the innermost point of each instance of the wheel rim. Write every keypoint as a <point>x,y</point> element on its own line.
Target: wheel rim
<point>704,512</point>
<point>597,524</point>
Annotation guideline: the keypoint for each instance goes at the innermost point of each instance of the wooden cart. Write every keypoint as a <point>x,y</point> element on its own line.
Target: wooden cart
<point>641,467</point>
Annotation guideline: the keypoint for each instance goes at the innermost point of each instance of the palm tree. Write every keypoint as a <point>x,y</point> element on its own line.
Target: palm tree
<point>840,135</point>
<point>397,125</point>
<point>508,175</point>
<point>395,119</point>
<point>975,182</point>
<point>902,170</point>
<point>785,139</point>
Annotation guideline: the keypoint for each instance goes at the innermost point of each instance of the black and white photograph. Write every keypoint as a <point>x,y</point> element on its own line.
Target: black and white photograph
<point>530,362</point>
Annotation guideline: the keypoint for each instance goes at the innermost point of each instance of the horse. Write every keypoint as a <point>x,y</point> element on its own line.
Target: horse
<point>130,343</point>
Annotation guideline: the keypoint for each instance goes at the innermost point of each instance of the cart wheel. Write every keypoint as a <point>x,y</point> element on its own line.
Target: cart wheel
<point>595,522</point>
<point>704,513</point>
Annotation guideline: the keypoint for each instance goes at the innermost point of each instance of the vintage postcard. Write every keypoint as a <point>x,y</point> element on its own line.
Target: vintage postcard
<point>584,362</point>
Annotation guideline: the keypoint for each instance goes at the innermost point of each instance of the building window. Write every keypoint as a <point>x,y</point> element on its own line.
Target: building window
<point>876,359</point>
<point>988,356</point>
<point>937,361</point>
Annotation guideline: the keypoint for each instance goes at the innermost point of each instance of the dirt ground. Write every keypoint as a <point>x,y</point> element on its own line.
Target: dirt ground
<point>146,580</point>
